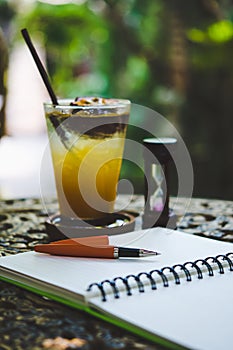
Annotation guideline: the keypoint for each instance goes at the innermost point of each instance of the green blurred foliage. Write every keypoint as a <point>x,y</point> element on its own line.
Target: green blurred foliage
<point>174,56</point>
<point>6,15</point>
<point>98,47</point>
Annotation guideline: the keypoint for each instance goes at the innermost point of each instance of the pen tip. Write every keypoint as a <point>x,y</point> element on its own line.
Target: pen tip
<point>146,252</point>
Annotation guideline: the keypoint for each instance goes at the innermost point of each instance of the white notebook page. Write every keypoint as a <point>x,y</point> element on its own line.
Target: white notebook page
<point>196,314</point>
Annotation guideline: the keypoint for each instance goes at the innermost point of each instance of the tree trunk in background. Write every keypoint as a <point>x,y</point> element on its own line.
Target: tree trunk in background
<point>3,68</point>
<point>206,116</point>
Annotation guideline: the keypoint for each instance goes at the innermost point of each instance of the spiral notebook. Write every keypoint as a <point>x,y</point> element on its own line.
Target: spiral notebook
<point>181,299</point>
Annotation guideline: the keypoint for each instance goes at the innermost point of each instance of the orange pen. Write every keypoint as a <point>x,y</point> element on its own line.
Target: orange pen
<point>92,247</point>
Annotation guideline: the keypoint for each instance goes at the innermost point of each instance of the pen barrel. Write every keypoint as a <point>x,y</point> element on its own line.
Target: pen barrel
<point>128,252</point>
<point>75,250</point>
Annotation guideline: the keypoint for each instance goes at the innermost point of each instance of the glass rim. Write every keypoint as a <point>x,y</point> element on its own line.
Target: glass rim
<point>65,103</point>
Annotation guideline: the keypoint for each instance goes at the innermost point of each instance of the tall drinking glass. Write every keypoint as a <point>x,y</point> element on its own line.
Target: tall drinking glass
<point>87,142</point>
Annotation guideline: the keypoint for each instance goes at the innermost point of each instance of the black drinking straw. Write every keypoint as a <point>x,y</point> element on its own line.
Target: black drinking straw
<point>40,66</point>
<point>59,128</point>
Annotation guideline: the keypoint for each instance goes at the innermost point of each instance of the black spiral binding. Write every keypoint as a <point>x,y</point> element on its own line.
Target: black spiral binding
<point>209,262</point>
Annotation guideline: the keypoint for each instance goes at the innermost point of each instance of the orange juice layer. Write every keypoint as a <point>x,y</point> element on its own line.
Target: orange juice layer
<point>87,174</point>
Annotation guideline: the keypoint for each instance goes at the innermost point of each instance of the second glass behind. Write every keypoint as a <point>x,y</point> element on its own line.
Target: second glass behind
<point>87,139</point>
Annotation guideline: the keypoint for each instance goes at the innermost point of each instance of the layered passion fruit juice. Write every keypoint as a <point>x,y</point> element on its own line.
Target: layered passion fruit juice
<point>87,142</point>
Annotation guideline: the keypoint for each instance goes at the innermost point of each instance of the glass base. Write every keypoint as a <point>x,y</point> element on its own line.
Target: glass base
<point>59,227</point>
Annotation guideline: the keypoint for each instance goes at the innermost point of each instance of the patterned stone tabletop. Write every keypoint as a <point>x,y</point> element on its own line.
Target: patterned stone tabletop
<point>29,321</point>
